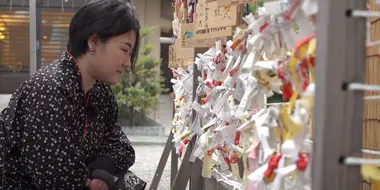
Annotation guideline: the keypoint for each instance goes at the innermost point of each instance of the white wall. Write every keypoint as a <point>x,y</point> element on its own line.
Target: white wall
<point>157,13</point>
<point>150,15</point>
<point>149,12</point>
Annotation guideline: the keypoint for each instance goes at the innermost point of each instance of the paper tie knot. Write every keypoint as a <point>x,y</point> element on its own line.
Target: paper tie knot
<point>272,165</point>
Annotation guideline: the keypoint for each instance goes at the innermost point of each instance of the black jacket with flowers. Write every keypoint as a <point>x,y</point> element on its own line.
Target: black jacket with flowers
<point>52,138</point>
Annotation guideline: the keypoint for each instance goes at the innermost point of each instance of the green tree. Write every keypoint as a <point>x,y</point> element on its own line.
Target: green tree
<point>138,90</point>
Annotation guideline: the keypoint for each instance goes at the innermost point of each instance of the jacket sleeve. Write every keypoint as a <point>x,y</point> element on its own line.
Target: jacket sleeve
<point>116,146</point>
<point>50,159</point>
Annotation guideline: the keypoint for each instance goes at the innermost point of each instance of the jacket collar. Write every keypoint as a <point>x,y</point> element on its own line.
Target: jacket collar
<point>73,78</point>
<point>69,64</point>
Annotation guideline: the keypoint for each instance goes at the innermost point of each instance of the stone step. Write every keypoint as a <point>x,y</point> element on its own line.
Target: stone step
<point>147,140</point>
<point>146,131</point>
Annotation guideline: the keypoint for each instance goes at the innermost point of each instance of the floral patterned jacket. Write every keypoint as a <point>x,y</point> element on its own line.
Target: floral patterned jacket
<point>53,136</point>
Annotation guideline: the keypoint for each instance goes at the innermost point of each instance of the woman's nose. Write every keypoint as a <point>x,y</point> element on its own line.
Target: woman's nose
<point>127,62</point>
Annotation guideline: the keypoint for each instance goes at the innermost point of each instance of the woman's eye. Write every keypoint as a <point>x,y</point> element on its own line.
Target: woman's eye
<point>129,52</point>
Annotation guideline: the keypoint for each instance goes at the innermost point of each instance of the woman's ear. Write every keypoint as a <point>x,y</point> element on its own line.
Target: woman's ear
<point>92,42</point>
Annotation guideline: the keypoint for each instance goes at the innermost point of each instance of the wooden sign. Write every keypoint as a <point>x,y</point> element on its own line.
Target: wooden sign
<point>214,33</point>
<point>183,52</point>
<point>225,3</point>
<point>212,21</point>
<point>172,57</point>
<point>187,38</point>
<point>187,61</point>
<point>185,56</point>
<point>180,57</point>
<point>209,15</point>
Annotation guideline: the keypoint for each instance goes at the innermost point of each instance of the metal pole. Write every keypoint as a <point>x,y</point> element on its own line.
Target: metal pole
<point>196,179</point>
<point>166,40</point>
<point>32,36</point>
<point>39,37</point>
<point>174,158</point>
<point>338,112</point>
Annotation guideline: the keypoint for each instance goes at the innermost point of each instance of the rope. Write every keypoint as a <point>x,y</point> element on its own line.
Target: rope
<point>375,21</point>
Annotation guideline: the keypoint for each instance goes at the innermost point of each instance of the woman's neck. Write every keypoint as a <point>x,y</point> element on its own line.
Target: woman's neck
<point>87,80</point>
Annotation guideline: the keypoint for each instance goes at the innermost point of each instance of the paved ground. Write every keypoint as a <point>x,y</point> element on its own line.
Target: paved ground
<point>166,112</point>
<point>147,158</point>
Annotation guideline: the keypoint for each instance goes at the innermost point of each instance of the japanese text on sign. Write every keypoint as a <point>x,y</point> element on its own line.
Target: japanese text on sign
<point>209,15</point>
<point>214,33</point>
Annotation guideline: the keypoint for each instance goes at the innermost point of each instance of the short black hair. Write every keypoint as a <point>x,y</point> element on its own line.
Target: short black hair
<point>106,19</point>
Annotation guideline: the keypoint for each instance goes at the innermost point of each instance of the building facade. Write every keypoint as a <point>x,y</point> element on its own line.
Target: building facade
<point>52,22</point>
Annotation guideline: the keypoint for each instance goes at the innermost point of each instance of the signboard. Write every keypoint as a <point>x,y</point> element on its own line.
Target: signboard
<point>183,52</point>
<point>209,15</point>
<point>214,33</point>
<point>187,61</point>
<point>214,21</point>
<point>225,3</point>
<point>180,57</point>
<point>187,38</point>
<point>172,57</point>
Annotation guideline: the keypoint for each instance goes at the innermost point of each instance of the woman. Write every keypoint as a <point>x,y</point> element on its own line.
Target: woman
<point>60,129</point>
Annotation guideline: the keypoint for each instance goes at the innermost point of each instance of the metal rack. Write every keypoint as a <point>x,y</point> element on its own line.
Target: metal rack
<point>338,112</point>
<point>188,172</point>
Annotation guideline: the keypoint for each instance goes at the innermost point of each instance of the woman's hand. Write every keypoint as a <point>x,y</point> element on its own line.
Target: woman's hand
<point>96,184</point>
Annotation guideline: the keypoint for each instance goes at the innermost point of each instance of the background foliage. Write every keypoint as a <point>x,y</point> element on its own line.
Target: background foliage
<point>138,91</point>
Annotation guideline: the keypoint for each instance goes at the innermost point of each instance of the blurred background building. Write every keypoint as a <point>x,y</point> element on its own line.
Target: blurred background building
<point>52,19</point>
<point>51,34</point>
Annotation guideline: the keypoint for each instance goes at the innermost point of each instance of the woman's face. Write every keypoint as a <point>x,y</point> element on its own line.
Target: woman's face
<point>110,59</point>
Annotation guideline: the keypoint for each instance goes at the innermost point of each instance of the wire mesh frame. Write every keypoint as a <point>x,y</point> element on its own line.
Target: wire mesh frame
<point>371,110</point>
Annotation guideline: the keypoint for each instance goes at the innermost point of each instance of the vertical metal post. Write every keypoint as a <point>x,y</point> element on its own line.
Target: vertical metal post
<point>162,163</point>
<point>174,159</point>
<point>173,165</point>
<point>32,37</point>
<point>196,179</point>
<point>38,37</point>
<point>338,112</point>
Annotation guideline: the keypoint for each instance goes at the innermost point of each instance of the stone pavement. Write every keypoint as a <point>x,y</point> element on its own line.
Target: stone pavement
<point>147,158</point>
<point>148,153</point>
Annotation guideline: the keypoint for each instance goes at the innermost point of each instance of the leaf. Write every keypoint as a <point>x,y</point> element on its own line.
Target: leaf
<point>141,71</point>
<point>147,30</point>
<point>148,48</point>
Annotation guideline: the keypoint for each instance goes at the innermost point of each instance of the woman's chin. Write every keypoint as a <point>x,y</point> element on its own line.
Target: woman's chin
<point>111,81</point>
